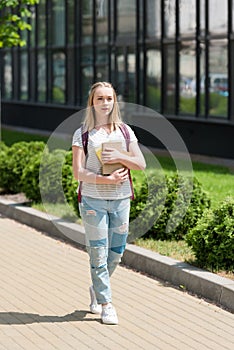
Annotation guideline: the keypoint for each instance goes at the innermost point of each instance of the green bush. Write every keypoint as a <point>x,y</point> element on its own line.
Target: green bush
<point>30,178</point>
<point>69,183</point>
<point>16,159</point>
<point>3,147</point>
<point>3,159</point>
<point>212,240</point>
<point>51,176</point>
<point>159,198</point>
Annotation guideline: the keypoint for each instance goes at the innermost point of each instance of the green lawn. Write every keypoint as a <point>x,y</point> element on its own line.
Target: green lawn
<point>9,137</point>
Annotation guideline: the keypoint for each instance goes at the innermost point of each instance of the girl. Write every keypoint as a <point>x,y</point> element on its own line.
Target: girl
<point>105,200</point>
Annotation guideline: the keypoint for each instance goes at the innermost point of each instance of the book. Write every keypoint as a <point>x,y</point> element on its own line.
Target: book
<point>107,169</point>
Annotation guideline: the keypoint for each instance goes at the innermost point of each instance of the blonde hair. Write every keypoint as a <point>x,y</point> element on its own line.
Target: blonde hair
<point>114,117</point>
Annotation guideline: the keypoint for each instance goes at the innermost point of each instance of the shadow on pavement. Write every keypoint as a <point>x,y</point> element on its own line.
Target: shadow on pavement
<point>13,318</point>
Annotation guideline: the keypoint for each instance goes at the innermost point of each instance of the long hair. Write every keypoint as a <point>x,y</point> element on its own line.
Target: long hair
<point>114,116</point>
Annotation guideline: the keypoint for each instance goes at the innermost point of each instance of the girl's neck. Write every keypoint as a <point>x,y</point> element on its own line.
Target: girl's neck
<point>107,127</point>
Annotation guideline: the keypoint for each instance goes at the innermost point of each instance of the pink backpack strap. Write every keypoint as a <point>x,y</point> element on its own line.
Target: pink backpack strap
<point>85,137</point>
<point>126,135</point>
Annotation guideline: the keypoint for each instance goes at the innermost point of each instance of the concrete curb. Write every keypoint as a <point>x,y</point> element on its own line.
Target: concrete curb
<point>202,283</point>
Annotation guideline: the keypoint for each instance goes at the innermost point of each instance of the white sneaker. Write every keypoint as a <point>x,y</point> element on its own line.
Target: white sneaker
<point>109,315</point>
<point>95,308</point>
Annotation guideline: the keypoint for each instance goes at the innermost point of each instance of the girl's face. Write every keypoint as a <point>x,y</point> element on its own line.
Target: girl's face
<point>103,101</point>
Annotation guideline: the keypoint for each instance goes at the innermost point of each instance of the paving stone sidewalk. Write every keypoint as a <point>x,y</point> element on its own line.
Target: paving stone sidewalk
<point>44,303</point>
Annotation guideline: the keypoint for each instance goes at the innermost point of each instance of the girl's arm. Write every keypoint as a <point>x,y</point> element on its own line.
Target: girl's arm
<point>82,174</point>
<point>134,160</point>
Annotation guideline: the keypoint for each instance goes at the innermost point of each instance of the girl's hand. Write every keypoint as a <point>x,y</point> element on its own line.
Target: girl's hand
<point>119,176</point>
<point>111,155</point>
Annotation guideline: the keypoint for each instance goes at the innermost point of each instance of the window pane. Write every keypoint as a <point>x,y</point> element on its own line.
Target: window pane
<point>169,79</point>
<point>24,76</point>
<point>70,19</point>
<point>126,19</point>
<point>41,23</point>
<point>87,22</point>
<point>102,20</point>
<point>187,17</point>
<point>188,78</point>
<point>218,78</point>
<point>58,23</point>
<point>33,25</point>
<point>86,82</point>
<point>7,75</point>
<point>125,75</point>
<point>202,16</point>
<point>218,16</point>
<point>102,73</point>
<point>153,79</point>
<point>154,18</point>
<point>58,77</point>
<point>232,15</point>
<point>41,78</point>
<point>169,18</point>
<point>87,55</point>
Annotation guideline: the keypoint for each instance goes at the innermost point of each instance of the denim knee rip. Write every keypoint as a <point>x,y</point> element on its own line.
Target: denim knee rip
<point>98,253</point>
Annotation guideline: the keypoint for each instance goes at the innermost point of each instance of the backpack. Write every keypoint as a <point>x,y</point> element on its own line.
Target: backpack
<point>85,137</point>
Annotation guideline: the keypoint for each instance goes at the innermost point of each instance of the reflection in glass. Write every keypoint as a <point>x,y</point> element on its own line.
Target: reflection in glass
<point>58,91</point>
<point>202,16</point>
<point>170,79</point>
<point>33,25</point>
<point>187,78</point>
<point>102,73</point>
<point>70,21</point>
<point>7,75</point>
<point>102,20</point>
<point>41,23</point>
<point>86,82</point>
<point>41,77</point>
<point>218,78</point>
<point>232,4</point>
<point>154,18</point>
<point>187,17</point>
<point>169,18</point>
<point>87,55</point>
<point>153,79</point>
<point>24,75</point>
<point>126,19</point>
<point>87,21</point>
<point>125,74</point>
<point>102,55</point>
<point>58,23</point>
<point>218,16</point>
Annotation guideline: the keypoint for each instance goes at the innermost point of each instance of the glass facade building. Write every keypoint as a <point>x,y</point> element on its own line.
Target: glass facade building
<point>173,56</point>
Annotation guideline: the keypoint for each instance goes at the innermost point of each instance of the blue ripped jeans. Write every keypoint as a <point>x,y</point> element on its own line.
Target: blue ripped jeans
<point>106,229</point>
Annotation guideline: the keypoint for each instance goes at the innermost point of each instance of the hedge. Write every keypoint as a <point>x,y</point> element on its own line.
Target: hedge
<point>212,240</point>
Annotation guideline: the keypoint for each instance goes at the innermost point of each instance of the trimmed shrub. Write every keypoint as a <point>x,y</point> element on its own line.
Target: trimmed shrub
<point>3,147</point>
<point>17,158</point>
<point>30,178</point>
<point>3,159</point>
<point>51,176</point>
<point>159,199</point>
<point>69,183</point>
<point>212,240</point>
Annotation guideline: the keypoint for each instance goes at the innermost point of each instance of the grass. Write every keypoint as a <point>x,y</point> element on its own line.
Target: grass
<point>217,181</point>
<point>177,250</point>
<point>9,137</point>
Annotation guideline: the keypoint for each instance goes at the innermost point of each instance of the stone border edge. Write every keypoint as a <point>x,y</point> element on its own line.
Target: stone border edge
<point>212,287</point>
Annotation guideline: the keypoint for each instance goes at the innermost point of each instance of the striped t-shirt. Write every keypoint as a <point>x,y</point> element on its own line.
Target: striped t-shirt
<point>95,140</point>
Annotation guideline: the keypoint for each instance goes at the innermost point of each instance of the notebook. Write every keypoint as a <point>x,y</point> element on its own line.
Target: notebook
<point>107,169</point>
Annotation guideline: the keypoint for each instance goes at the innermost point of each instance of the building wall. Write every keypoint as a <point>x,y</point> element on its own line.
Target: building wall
<point>175,57</point>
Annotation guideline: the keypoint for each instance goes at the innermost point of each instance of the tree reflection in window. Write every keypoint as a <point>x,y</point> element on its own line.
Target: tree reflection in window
<point>58,93</point>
